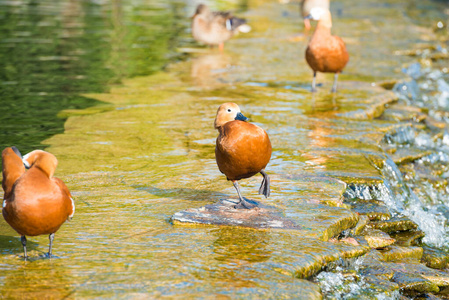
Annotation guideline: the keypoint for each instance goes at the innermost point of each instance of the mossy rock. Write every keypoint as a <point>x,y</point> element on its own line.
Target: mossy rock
<point>372,209</point>
<point>377,238</point>
<point>407,238</point>
<point>382,287</point>
<point>397,253</point>
<point>374,107</point>
<point>361,224</point>
<point>409,154</point>
<point>414,282</point>
<point>400,113</point>
<point>394,225</point>
<point>387,84</point>
<point>435,258</point>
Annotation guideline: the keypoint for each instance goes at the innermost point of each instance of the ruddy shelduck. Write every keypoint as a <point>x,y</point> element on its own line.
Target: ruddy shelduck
<point>307,5</point>
<point>242,149</point>
<point>215,28</point>
<point>325,52</point>
<point>34,202</point>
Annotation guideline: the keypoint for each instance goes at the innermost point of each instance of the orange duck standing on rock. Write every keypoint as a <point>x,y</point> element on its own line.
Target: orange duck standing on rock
<point>34,201</point>
<point>242,149</point>
<point>325,52</point>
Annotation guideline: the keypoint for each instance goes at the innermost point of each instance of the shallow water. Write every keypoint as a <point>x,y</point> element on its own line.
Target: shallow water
<point>114,92</point>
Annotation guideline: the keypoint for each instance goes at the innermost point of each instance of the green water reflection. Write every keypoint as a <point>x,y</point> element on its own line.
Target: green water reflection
<point>53,53</point>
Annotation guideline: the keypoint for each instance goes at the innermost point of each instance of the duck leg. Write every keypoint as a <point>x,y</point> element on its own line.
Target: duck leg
<point>265,186</point>
<point>51,237</point>
<point>243,203</point>
<point>23,239</point>
<point>334,86</point>
<point>307,24</point>
<point>313,82</point>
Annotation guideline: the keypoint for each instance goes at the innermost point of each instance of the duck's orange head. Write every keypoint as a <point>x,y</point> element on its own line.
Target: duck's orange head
<point>43,160</point>
<point>228,112</point>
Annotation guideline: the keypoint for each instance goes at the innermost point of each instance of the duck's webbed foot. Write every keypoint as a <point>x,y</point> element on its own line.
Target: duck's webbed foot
<point>265,186</point>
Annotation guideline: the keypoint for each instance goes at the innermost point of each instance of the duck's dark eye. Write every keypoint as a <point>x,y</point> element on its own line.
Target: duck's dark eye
<point>229,110</point>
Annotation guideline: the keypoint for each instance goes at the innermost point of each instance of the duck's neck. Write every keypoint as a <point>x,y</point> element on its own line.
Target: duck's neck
<point>323,28</point>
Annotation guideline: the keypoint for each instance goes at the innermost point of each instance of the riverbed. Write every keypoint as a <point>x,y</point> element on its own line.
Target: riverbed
<point>126,100</point>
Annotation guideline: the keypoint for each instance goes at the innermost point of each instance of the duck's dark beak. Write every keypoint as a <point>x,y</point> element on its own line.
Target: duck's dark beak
<point>241,117</point>
<point>308,17</point>
<point>16,151</point>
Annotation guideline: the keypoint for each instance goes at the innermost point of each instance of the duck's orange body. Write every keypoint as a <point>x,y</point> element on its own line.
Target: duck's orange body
<point>34,202</point>
<point>242,149</point>
<point>325,52</point>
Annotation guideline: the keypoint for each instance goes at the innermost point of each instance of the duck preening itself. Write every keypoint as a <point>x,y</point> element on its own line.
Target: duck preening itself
<point>34,202</point>
<point>215,28</point>
<point>325,52</point>
<point>242,149</point>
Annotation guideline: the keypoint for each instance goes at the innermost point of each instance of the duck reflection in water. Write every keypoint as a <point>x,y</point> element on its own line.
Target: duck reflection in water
<point>242,149</point>
<point>241,245</point>
<point>209,70</point>
<point>35,202</point>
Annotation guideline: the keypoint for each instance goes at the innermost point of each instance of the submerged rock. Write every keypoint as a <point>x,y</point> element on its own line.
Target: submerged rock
<point>409,154</point>
<point>408,238</point>
<point>435,258</point>
<point>413,282</point>
<point>361,224</point>
<point>398,253</point>
<point>374,107</point>
<point>376,238</point>
<point>394,225</point>
<point>312,220</point>
<point>224,213</point>
<point>371,209</point>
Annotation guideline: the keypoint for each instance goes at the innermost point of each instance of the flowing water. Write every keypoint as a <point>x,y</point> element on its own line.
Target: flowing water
<point>125,99</point>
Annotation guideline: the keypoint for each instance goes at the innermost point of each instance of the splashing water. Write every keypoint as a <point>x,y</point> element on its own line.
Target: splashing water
<point>399,197</point>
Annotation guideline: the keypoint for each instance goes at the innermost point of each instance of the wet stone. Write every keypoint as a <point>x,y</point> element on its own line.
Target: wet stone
<point>224,213</point>
<point>394,225</point>
<point>374,107</point>
<point>377,238</point>
<point>414,282</point>
<point>409,154</point>
<point>372,209</point>
<point>361,224</point>
<point>397,253</point>
<point>435,258</point>
<point>400,112</point>
<point>408,238</point>
<point>382,287</point>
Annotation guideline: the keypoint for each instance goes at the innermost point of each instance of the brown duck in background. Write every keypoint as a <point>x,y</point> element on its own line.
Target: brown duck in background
<point>325,52</point>
<point>215,28</point>
<point>242,149</point>
<point>307,5</point>
<point>34,201</point>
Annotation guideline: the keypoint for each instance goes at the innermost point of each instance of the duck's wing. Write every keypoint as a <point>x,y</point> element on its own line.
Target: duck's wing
<point>228,20</point>
<point>13,168</point>
<point>67,196</point>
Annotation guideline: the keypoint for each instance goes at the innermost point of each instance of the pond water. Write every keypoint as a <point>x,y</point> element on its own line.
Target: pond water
<point>126,100</point>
